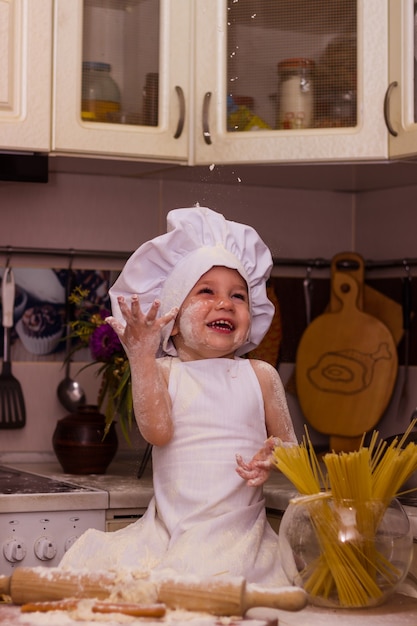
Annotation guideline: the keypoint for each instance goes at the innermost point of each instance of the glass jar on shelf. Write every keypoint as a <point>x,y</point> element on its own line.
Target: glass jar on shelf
<point>295,94</point>
<point>100,98</point>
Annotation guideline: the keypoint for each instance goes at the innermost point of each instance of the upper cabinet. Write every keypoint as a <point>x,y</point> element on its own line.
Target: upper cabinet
<point>401,99</point>
<point>311,75</point>
<point>209,81</point>
<point>121,78</point>
<point>249,81</point>
<point>25,75</point>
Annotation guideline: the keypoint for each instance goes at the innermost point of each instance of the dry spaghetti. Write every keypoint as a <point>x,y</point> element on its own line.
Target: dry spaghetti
<point>346,503</point>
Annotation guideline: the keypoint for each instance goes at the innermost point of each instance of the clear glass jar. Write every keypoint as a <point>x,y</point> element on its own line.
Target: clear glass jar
<point>295,94</point>
<point>345,553</point>
<point>100,98</point>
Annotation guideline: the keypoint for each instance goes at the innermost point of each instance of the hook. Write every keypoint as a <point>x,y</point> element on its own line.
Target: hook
<point>407,268</point>
<point>308,290</point>
<point>9,256</point>
<point>71,254</point>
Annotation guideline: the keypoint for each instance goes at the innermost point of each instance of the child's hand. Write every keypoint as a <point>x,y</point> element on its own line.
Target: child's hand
<point>257,471</point>
<point>141,332</point>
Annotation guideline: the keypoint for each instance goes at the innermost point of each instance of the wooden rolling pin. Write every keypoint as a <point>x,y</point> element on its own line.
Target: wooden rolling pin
<point>218,596</point>
<point>124,608</point>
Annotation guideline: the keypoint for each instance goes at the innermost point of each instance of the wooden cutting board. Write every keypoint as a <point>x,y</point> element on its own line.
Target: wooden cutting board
<point>373,302</point>
<point>346,366</point>
<point>370,300</point>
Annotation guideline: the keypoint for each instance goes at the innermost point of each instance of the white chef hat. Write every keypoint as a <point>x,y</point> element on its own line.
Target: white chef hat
<point>197,239</point>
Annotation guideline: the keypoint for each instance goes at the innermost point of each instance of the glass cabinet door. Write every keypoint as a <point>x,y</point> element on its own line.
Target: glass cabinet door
<point>116,88</point>
<point>401,98</point>
<point>291,67</point>
<point>120,62</point>
<point>293,80</point>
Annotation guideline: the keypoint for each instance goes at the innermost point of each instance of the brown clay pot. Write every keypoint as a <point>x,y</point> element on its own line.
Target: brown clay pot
<point>79,445</point>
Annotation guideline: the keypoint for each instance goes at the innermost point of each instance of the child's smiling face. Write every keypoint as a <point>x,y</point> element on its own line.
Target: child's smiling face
<point>214,319</point>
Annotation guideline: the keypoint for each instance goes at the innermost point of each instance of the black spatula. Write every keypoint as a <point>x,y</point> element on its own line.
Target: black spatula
<point>12,405</point>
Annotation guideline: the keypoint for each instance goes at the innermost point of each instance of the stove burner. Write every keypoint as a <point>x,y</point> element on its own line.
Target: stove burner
<point>15,482</point>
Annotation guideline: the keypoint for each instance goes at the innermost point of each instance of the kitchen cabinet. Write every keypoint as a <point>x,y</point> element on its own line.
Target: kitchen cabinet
<point>253,39</point>
<point>218,61</point>
<point>401,101</point>
<point>214,66</point>
<point>25,74</point>
<point>137,39</point>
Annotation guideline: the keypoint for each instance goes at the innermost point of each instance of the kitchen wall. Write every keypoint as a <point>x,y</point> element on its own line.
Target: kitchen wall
<point>103,212</point>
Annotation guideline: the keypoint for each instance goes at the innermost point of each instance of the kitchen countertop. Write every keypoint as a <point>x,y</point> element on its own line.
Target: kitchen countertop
<point>126,491</point>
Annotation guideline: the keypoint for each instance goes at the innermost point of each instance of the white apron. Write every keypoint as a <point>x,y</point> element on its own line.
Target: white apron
<point>203,519</point>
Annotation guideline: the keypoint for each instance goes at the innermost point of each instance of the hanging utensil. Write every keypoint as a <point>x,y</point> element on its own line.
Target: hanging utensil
<point>12,405</point>
<point>291,384</point>
<point>69,391</point>
<point>406,306</point>
<point>308,293</point>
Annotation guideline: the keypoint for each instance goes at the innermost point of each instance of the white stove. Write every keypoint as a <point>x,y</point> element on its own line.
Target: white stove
<point>41,517</point>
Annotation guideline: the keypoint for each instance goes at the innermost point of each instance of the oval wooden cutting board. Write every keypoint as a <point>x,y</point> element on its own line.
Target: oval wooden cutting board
<point>346,366</point>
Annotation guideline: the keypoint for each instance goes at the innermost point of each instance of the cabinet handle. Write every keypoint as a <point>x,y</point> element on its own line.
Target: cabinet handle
<point>386,108</point>
<point>181,119</point>
<point>206,127</point>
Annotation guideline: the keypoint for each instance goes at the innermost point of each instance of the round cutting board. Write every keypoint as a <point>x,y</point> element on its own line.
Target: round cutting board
<point>346,366</point>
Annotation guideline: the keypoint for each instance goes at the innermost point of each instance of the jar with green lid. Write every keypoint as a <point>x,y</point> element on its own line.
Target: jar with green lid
<point>100,97</point>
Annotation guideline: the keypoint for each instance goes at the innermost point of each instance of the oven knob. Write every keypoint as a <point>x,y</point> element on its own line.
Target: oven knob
<point>70,541</point>
<point>14,550</point>
<point>45,549</point>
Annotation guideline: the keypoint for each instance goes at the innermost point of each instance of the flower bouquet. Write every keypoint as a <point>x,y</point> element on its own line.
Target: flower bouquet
<point>90,330</point>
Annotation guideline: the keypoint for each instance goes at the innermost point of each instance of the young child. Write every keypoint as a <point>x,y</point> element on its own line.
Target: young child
<point>187,305</point>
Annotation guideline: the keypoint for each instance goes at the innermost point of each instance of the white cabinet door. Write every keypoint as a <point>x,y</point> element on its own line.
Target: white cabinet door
<point>132,38</point>
<point>25,74</point>
<point>254,47</point>
<point>401,99</point>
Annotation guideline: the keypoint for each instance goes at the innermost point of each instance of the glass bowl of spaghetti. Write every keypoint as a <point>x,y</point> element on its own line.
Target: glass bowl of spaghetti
<point>345,553</point>
<point>346,539</point>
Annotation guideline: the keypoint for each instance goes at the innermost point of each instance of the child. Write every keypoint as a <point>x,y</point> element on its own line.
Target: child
<point>196,296</point>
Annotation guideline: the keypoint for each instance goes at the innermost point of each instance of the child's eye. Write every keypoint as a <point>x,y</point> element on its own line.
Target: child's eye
<point>240,296</point>
<point>205,290</point>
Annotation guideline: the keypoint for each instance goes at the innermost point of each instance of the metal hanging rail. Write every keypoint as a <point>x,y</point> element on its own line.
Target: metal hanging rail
<point>318,263</point>
<point>10,251</point>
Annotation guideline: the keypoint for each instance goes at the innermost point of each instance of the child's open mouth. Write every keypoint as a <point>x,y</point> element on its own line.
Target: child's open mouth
<point>224,326</point>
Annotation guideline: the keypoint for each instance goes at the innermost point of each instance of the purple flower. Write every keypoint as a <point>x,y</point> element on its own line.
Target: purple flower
<point>104,343</point>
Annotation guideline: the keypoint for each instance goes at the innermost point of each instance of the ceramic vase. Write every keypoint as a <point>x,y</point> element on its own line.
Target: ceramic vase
<point>79,443</point>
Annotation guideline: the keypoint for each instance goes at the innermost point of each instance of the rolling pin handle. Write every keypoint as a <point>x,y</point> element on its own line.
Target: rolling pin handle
<point>286,598</point>
<point>5,585</point>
